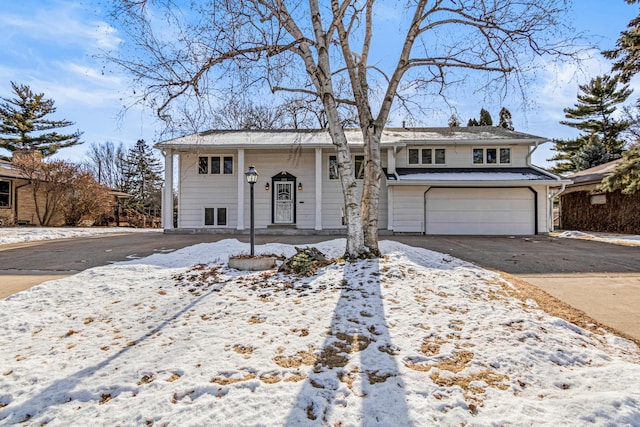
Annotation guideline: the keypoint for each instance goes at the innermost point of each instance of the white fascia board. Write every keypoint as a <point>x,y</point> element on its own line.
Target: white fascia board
<point>453,183</point>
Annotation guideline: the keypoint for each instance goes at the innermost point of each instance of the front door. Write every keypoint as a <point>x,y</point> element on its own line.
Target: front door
<point>283,201</point>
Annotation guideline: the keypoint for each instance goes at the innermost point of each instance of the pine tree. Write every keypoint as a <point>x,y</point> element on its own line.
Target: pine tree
<point>454,121</point>
<point>593,114</point>
<point>626,176</point>
<point>627,50</point>
<point>505,119</point>
<point>472,122</point>
<point>592,154</point>
<point>24,126</point>
<point>141,172</point>
<point>485,118</point>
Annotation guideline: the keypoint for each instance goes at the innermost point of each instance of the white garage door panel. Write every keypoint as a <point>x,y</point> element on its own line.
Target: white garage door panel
<point>480,211</point>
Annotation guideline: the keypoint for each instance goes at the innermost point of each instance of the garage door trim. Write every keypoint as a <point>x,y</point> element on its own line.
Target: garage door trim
<point>535,203</point>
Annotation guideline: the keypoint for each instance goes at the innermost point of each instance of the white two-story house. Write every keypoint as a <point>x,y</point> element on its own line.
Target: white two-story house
<point>473,180</point>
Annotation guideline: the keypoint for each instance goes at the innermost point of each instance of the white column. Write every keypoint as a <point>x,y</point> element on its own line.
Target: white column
<point>318,189</point>
<point>390,207</point>
<point>240,173</point>
<point>391,161</point>
<point>167,194</point>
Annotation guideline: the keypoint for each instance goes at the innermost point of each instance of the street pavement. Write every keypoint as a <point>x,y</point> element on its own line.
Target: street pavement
<point>600,279</point>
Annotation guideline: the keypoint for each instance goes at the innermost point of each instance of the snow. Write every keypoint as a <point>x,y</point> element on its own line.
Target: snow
<point>620,239</point>
<point>473,176</point>
<point>414,338</point>
<point>10,235</point>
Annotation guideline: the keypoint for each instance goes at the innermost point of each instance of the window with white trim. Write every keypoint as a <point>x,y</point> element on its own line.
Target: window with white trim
<point>491,156</point>
<point>5,193</point>
<point>215,217</point>
<point>215,165</point>
<point>333,167</point>
<point>358,167</point>
<point>426,156</point>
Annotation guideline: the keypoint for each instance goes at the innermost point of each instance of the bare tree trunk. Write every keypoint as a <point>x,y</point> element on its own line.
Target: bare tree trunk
<point>371,188</point>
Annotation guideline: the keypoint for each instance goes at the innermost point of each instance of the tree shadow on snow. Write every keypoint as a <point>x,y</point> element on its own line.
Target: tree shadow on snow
<point>357,358</point>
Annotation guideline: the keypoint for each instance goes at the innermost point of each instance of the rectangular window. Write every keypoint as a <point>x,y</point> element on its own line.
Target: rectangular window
<point>203,165</point>
<point>414,156</point>
<point>478,156</point>
<point>426,157</point>
<point>228,165</point>
<point>333,167</point>
<point>215,165</point>
<point>492,156</point>
<point>440,156</point>
<point>222,216</point>
<point>505,155</point>
<point>359,167</point>
<point>5,194</point>
<point>215,216</point>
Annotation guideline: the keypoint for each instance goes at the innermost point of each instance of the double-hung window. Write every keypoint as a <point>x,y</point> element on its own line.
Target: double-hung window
<point>426,156</point>
<point>215,165</point>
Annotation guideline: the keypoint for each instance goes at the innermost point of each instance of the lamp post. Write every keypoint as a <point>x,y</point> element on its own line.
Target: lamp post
<point>252,178</point>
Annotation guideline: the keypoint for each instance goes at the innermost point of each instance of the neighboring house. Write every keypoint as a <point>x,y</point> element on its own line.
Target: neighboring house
<point>476,180</point>
<point>584,207</point>
<point>16,198</point>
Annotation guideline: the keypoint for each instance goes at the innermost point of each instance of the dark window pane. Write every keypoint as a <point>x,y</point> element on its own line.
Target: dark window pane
<point>203,165</point>
<point>215,165</point>
<point>426,156</point>
<point>492,156</point>
<point>333,167</point>
<point>208,216</point>
<point>5,194</point>
<point>414,156</point>
<point>478,156</point>
<point>359,166</point>
<point>440,158</point>
<point>505,155</point>
<point>228,165</point>
<point>222,216</point>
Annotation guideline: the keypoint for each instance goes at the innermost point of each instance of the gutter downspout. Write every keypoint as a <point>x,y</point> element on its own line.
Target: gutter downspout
<point>551,197</point>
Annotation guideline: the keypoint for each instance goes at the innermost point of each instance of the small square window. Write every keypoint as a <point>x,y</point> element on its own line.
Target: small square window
<point>492,155</point>
<point>359,167</point>
<point>478,156</point>
<point>209,216</point>
<point>505,155</point>
<point>215,165</point>
<point>426,156</point>
<point>203,165</point>
<point>228,165</point>
<point>440,156</point>
<point>222,216</point>
<point>333,167</point>
<point>414,156</point>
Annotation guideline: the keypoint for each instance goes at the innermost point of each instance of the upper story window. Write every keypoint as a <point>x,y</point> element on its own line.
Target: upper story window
<point>215,165</point>
<point>358,166</point>
<point>491,156</point>
<point>5,194</point>
<point>427,156</point>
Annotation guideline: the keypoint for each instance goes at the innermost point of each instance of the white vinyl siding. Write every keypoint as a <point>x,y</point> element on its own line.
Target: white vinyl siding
<point>461,156</point>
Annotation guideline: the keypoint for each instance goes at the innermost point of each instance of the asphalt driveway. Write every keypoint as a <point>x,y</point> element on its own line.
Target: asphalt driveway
<point>601,279</point>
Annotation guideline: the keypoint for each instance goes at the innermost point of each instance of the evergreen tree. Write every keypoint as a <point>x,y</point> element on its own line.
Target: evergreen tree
<point>454,121</point>
<point>24,126</point>
<point>626,176</point>
<point>505,119</point>
<point>592,154</point>
<point>485,118</point>
<point>627,50</point>
<point>593,114</point>
<point>472,122</point>
<point>141,173</point>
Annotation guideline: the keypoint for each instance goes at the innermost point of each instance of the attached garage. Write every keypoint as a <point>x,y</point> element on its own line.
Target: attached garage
<point>480,211</point>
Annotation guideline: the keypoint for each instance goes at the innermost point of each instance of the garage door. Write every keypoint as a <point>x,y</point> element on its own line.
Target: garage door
<point>480,211</point>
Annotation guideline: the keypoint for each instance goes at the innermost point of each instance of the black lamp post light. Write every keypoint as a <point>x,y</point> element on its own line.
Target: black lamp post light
<point>252,177</point>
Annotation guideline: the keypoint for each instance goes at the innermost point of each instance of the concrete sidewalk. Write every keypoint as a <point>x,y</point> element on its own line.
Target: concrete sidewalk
<point>612,299</point>
<point>14,283</point>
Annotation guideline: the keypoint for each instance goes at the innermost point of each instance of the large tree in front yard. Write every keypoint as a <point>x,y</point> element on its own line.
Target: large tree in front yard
<point>327,50</point>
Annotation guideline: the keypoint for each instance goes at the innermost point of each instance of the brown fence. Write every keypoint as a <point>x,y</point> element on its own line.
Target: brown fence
<point>607,212</point>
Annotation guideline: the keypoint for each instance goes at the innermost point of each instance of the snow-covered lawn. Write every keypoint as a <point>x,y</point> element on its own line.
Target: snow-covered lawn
<point>619,239</point>
<point>29,234</point>
<point>414,338</point>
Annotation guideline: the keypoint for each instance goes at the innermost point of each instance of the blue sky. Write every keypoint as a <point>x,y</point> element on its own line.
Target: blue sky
<point>52,46</point>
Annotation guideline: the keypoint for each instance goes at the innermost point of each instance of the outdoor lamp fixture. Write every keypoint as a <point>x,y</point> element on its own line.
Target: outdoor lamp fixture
<point>252,178</point>
<point>266,187</point>
<point>299,186</point>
